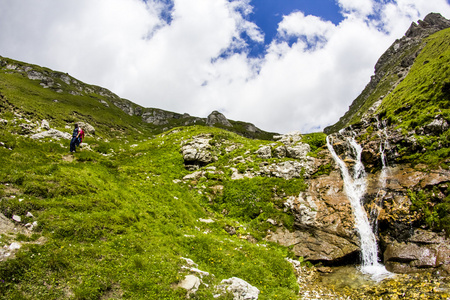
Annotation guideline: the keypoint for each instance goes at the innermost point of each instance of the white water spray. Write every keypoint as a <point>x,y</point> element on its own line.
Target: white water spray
<point>355,188</point>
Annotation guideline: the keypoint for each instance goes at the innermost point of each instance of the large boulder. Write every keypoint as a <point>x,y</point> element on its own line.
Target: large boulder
<point>198,152</point>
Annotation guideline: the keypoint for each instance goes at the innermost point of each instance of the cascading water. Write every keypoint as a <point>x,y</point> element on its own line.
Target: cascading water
<point>355,188</point>
<point>378,205</point>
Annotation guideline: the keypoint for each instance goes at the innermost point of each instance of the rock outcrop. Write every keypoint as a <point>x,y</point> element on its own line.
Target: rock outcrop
<point>198,152</point>
<point>422,251</point>
<point>217,118</point>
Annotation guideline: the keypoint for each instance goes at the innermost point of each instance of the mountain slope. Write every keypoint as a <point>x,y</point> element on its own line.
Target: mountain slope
<point>62,99</point>
<point>394,66</point>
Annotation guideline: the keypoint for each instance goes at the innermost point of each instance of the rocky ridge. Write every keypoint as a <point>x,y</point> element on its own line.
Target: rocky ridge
<point>391,68</point>
<point>157,118</point>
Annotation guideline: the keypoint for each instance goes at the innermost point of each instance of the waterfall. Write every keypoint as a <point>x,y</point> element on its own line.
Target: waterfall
<point>378,205</point>
<point>355,188</point>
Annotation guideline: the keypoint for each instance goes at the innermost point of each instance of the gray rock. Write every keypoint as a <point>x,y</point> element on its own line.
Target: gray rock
<point>35,75</point>
<point>289,169</point>
<point>280,151</point>
<point>217,118</point>
<point>240,289</point>
<point>299,151</point>
<point>198,151</point>
<point>52,133</point>
<point>264,152</point>
<point>45,125</point>
<point>290,138</point>
<point>190,283</point>
<point>437,126</point>
<point>88,128</point>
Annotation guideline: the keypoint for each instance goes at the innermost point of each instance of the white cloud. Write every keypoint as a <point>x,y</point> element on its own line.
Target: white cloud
<point>359,7</point>
<point>307,79</point>
<point>311,27</point>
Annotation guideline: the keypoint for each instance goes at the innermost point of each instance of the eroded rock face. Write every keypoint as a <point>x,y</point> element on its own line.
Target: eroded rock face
<point>422,251</point>
<point>323,220</point>
<point>315,245</point>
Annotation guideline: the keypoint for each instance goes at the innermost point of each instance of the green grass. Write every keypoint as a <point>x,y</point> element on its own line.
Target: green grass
<point>117,226</point>
<point>114,222</point>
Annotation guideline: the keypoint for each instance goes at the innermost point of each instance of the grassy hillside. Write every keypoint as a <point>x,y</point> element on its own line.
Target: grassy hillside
<point>428,82</point>
<point>116,220</point>
<point>118,226</point>
<point>41,93</point>
<point>422,97</point>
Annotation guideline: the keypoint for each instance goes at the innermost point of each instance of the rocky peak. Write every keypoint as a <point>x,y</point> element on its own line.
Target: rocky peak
<point>217,118</point>
<point>432,23</point>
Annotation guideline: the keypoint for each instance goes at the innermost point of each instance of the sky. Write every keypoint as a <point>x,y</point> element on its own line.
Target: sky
<point>283,65</point>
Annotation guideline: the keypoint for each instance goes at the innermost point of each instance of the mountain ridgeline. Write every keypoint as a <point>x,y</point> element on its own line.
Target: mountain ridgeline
<point>161,205</point>
<point>88,102</point>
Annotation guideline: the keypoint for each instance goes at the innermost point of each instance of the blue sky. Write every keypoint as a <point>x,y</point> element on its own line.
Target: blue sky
<point>282,65</point>
<point>268,13</point>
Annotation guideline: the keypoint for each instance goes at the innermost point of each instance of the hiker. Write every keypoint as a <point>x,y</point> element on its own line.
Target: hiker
<point>80,136</point>
<point>73,141</point>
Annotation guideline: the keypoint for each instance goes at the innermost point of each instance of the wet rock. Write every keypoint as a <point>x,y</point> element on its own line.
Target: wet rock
<point>315,245</point>
<point>422,251</point>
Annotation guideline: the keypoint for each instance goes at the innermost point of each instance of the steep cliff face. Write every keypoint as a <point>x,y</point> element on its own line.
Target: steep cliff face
<point>392,67</point>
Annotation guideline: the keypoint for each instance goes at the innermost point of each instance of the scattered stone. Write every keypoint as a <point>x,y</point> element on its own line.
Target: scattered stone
<point>189,261</point>
<point>264,152</point>
<point>190,283</point>
<point>240,289</point>
<point>45,125</point>
<point>206,220</point>
<point>14,246</point>
<point>17,218</point>
<point>52,133</point>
